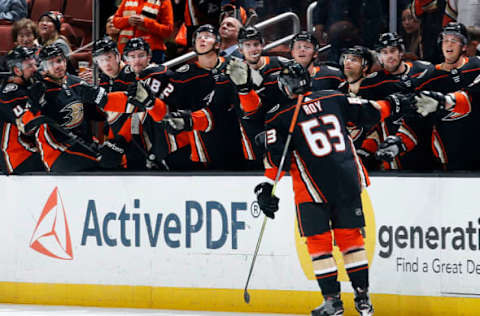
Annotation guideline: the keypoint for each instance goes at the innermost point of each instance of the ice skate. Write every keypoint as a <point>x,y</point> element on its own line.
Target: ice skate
<point>363,305</point>
<point>332,306</point>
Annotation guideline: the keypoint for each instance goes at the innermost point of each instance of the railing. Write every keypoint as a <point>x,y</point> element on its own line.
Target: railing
<point>279,18</point>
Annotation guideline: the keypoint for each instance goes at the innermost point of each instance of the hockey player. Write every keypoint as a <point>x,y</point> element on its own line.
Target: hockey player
<point>204,89</point>
<point>70,103</point>
<point>327,178</point>
<point>451,133</point>
<point>19,152</point>
<point>396,76</point>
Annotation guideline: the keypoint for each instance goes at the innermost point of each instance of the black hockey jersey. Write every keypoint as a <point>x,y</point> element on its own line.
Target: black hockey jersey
<point>454,133</point>
<point>322,160</point>
<point>19,151</point>
<point>210,95</point>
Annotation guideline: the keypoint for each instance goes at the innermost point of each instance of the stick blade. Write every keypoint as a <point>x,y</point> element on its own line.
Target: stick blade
<point>246,296</point>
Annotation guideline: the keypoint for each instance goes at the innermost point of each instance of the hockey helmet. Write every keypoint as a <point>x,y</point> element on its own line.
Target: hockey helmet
<point>390,39</point>
<point>206,28</point>
<point>16,56</point>
<point>307,37</point>
<point>136,43</point>
<point>294,79</point>
<point>249,33</point>
<point>455,28</point>
<point>104,45</point>
<point>50,51</point>
<point>360,51</point>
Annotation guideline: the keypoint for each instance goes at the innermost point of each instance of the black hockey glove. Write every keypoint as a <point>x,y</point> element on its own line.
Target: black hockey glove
<point>36,96</point>
<point>401,104</point>
<point>179,121</point>
<point>431,101</point>
<point>93,95</point>
<point>140,95</point>
<point>268,203</point>
<point>240,74</point>
<point>111,152</point>
<point>390,148</point>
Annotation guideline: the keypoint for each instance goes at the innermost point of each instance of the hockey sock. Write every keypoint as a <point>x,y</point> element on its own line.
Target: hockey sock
<point>356,264</point>
<point>326,273</point>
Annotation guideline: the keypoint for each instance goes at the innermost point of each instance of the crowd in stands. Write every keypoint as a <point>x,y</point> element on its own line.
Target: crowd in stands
<point>139,115</point>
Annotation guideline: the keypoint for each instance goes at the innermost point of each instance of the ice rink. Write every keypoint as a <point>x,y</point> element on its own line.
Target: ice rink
<point>41,310</point>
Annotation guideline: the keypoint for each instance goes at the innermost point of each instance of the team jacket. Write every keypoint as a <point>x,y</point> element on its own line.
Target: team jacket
<point>453,133</point>
<point>157,24</point>
<point>211,97</point>
<point>377,86</point>
<point>322,159</point>
<point>17,148</point>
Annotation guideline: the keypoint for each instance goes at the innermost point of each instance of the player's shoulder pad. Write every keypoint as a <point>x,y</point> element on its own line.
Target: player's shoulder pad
<point>335,69</point>
<point>184,68</point>
<point>273,109</point>
<point>10,87</point>
<point>356,100</point>
<point>152,69</point>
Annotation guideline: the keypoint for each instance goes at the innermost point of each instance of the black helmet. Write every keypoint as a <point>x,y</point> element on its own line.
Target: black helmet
<point>16,56</point>
<point>104,45</point>
<point>390,39</point>
<point>307,37</point>
<point>51,51</point>
<point>457,29</point>
<point>249,33</point>
<point>136,43</point>
<point>206,28</point>
<point>294,79</point>
<point>360,51</point>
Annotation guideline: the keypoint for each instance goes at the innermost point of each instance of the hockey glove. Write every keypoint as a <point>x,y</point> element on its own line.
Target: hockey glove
<point>239,73</point>
<point>268,203</point>
<point>36,96</point>
<point>390,148</point>
<point>179,121</point>
<point>111,152</point>
<point>401,104</point>
<point>141,95</point>
<point>432,101</point>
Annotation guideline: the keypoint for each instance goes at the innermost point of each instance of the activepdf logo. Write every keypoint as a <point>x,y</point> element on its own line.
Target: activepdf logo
<point>51,236</point>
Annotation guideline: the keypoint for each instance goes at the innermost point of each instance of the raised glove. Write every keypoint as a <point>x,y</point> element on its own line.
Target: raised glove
<point>401,104</point>
<point>111,152</point>
<point>179,121</point>
<point>390,148</point>
<point>141,95</point>
<point>432,101</point>
<point>239,73</point>
<point>268,203</point>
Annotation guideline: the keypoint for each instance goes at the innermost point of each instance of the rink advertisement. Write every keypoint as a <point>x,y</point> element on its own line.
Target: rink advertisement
<point>187,242</point>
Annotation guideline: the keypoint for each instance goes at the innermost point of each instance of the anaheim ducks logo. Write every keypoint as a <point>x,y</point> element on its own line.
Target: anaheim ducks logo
<point>73,116</point>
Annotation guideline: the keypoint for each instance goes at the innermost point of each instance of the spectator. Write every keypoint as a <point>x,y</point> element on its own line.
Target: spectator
<point>111,30</point>
<point>229,37</point>
<point>366,15</point>
<point>150,20</point>
<point>430,13</point>
<point>199,13</point>
<point>25,33</point>
<point>13,10</point>
<point>465,12</point>
<point>413,36</point>
<point>474,42</point>
<point>49,31</point>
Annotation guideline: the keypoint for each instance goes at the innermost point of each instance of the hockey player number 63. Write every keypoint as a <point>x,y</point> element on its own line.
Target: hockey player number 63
<point>321,142</point>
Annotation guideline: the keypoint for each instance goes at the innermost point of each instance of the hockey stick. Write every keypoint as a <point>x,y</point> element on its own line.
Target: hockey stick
<point>72,138</point>
<point>246,296</point>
